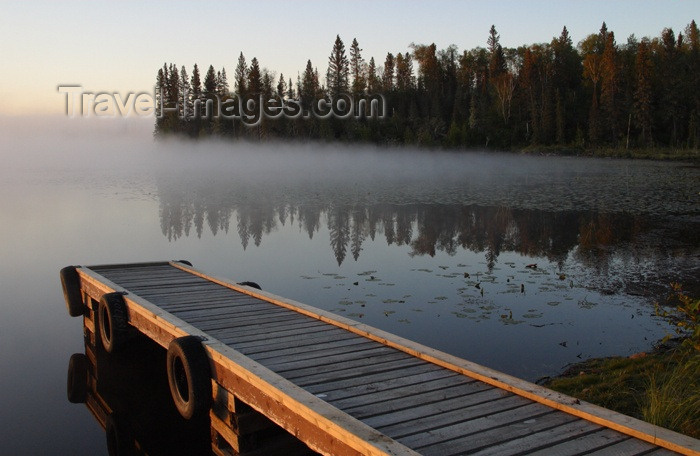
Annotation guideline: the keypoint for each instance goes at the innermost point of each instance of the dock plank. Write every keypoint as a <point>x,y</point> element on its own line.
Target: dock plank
<point>298,344</point>
<point>335,359</point>
<point>483,394</point>
<point>629,447</point>
<point>314,357</point>
<point>435,398</point>
<point>335,385</point>
<point>296,351</point>
<point>541,439</point>
<point>402,380</point>
<point>402,392</point>
<point>600,439</point>
<point>486,432</point>
<point>353,372</point>
<point>427,423</point>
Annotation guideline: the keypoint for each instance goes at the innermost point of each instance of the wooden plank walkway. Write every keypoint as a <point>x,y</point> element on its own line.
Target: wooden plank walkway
<point>343,387</point>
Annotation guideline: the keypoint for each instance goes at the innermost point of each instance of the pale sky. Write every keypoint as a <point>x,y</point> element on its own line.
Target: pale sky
<point>119,46</point>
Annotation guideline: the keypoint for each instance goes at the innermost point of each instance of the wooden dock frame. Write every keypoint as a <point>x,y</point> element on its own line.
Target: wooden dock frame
<point>322,427</point>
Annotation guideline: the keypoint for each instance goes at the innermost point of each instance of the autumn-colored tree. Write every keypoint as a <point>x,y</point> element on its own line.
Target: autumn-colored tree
<point>404,72</point>
<point>609,89</point>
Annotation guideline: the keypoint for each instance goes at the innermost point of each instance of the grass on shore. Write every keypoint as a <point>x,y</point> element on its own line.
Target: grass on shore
<point>662,387</point>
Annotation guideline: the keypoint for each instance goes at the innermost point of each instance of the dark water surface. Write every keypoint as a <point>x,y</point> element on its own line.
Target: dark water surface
<point>435,247</point>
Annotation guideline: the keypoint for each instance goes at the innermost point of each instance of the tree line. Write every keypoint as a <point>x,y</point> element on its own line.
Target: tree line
<point>640,94</point>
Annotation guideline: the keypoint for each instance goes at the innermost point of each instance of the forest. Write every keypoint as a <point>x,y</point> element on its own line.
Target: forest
<point>556,96</point>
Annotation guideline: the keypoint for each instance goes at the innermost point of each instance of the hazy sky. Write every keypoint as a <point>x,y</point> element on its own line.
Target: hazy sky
<point>119,46</point>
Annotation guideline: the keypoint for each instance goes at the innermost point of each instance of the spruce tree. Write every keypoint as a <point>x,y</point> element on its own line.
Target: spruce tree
<point>338,70</point>
<point>254,83</point>
<point>357,69</point>
<point>388,73</point>
<point>374,84</point>
<point>281,87</point>
<point>197,100</point>
<point>186,100</point>
<point>241,76</point>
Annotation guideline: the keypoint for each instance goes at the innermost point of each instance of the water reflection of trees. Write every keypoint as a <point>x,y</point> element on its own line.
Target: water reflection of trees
<point>426,228</point>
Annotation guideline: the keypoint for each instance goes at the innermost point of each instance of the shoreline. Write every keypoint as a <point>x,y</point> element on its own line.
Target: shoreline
<point>655,386</point>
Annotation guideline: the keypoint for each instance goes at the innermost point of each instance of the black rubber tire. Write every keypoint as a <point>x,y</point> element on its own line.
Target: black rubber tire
<point>189,377</point>
<point>113,322</point>
<point>71,291</point>
<point>185,262</point>
<point>77,378</point>
<point>120,439</point>
<point>250,284</point>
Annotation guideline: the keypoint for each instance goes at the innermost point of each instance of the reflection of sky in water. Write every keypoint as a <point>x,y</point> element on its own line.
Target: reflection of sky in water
<point>616,231</point>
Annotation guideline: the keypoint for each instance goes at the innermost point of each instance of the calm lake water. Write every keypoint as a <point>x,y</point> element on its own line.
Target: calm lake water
<point>523,264</point>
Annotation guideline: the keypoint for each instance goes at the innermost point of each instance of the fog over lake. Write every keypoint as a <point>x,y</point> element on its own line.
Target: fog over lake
<point>520,263</point>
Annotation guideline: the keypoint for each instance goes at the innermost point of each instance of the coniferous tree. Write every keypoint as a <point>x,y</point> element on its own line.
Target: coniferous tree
<point>254,83</point>
<point>161,99</point>
<point>338,70</point>
<point>186,108</point>
<point>357,68</point>
<point>222,84</point>
<point>388,73</point>
<point>224,125</point>
<point>210,103</point>
<point>241,76</point>
<point>197,100</point>
<point>281,87</point>
<point>290,90</point>
<point>374,84</point>
<point>309,86</point>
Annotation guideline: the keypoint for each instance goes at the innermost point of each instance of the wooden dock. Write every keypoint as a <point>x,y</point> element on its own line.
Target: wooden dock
<point>339,386</point>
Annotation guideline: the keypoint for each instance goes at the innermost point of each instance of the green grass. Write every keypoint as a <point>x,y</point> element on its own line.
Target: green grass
<point>662,388</point>
<point>672,399</point>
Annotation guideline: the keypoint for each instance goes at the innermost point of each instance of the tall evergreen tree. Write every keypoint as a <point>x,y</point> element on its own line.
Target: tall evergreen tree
<point>338,69</point>
<point>281,87</point>
<point>241,76</point>
<point>210,81</point>
<point>222,87</point>
<point>309,86</point>
<point>357,68</point>
<point>197,100</point>
<point>211,105</point>
<point>161,100</point>
<point>186,108</point>
<point>374,84</point>
<point>388,73</point>
<point>254,84</point>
